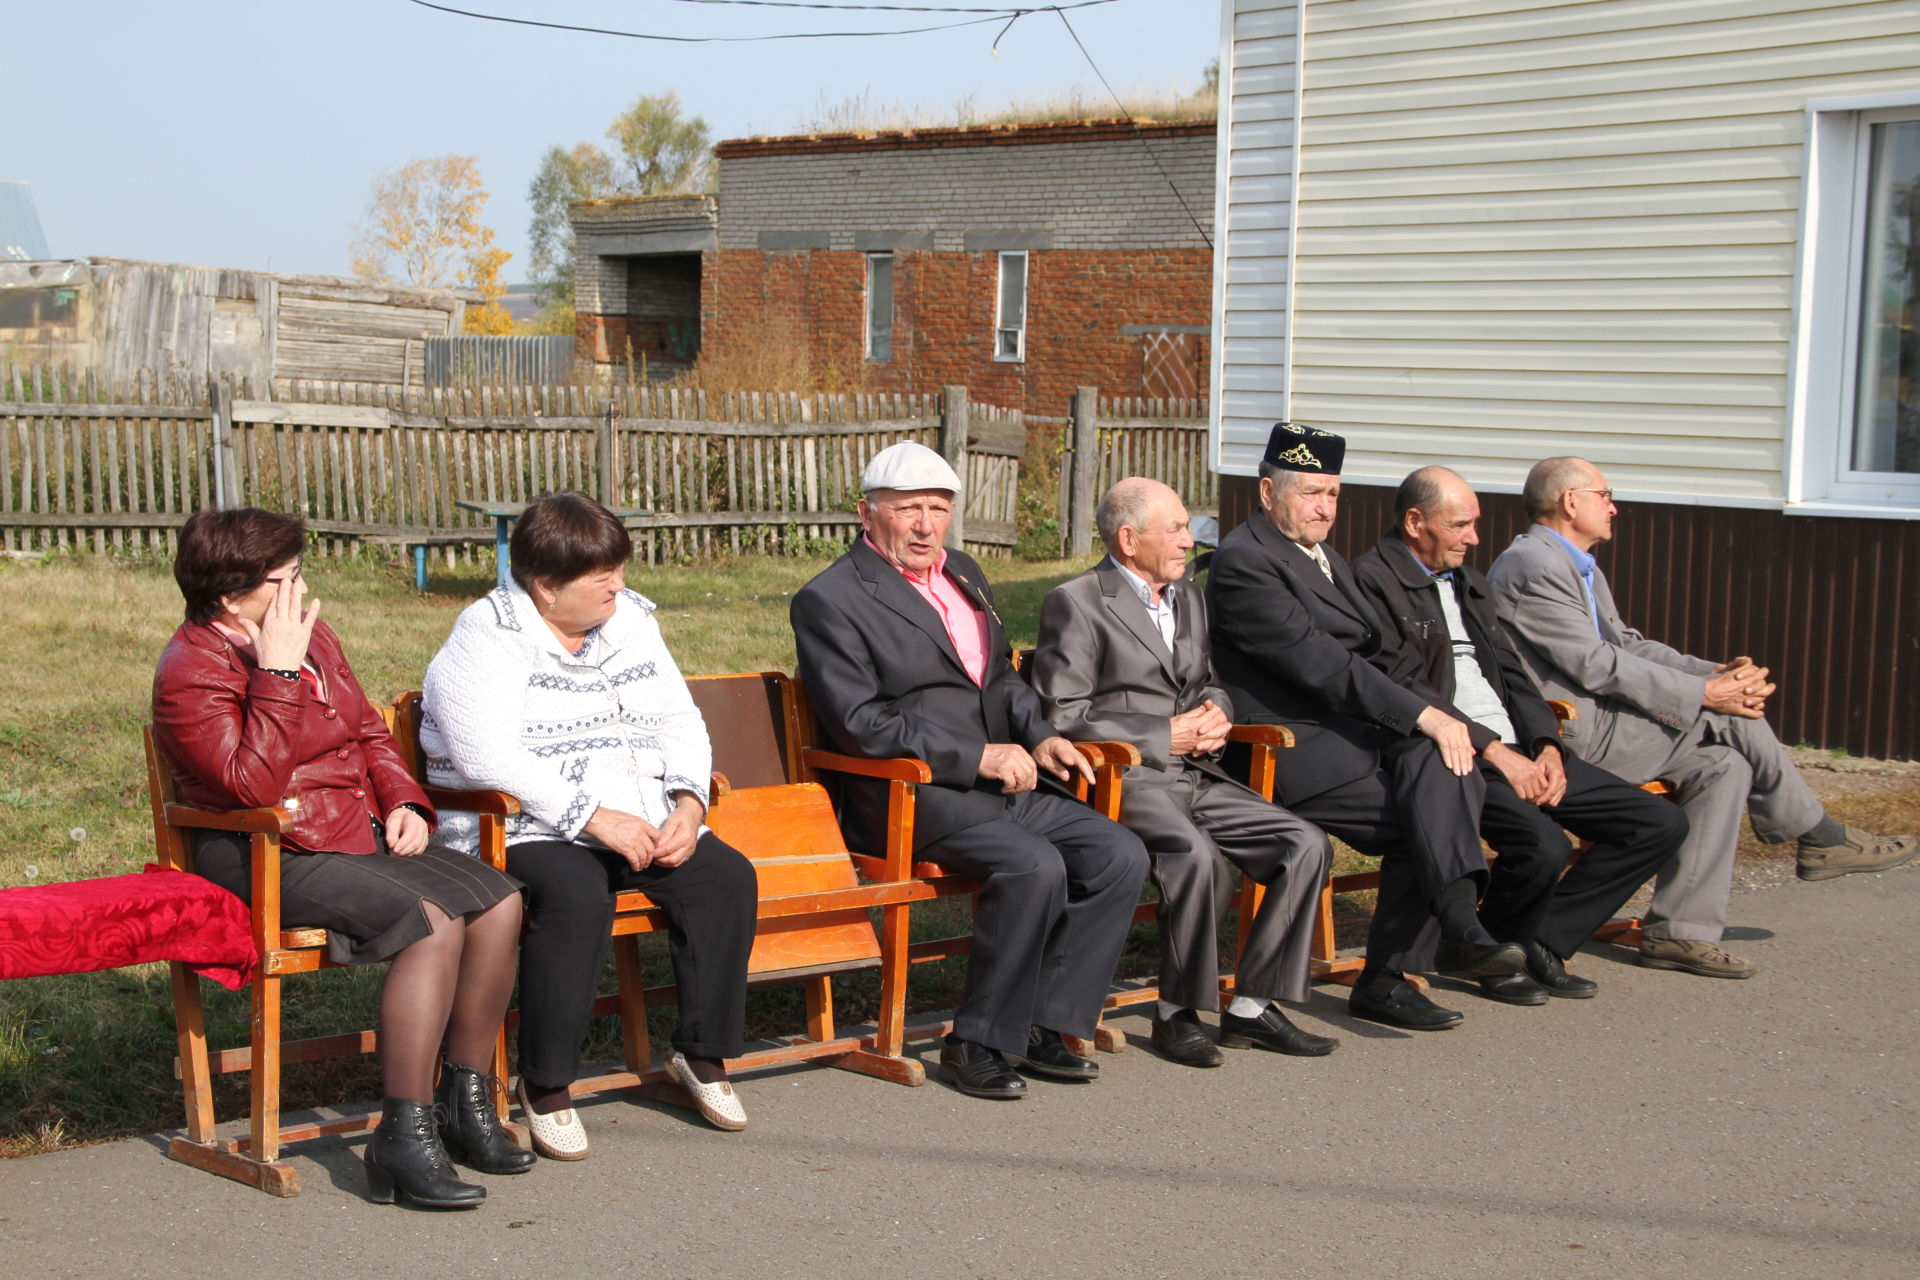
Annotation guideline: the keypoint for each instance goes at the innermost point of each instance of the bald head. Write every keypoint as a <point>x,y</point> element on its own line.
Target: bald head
<point>1549,481</point>
<point>1439,518</point>
<point>1144,526</point>
<point>1570,496</point>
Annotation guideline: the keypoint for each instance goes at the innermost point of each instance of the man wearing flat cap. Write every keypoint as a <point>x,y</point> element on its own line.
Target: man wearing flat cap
<point>1375,764</point>
<point>903,655</point>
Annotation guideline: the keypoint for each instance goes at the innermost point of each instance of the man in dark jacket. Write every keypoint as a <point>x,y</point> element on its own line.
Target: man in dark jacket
<point>903,655</point>
<point>1384,768</point>
<point>1453,650</point>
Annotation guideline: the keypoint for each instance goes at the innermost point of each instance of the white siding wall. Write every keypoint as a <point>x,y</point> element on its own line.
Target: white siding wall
<point>1530,227</point>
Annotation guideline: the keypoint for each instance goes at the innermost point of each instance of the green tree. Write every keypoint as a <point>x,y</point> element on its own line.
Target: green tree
<point>656,152</point>
<point>583,173</point>
<point>663,151</point>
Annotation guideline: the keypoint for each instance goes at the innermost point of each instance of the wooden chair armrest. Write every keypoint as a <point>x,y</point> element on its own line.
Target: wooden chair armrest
<point>1106,753</point>
<point>498,802</point>
<point>717,786</point>
<point>1563,711</point>
<point>1261,735</point>
<point>270,820</point>
<point>897,769</point>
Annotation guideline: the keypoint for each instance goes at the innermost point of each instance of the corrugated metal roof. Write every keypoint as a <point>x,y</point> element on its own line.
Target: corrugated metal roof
<point>21,238</point>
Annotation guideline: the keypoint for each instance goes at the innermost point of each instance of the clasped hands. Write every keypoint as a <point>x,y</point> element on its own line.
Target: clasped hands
<point>641,843</point>
<point>1738,688</point>
<point>1200,731</point>
<point>1016,769</point>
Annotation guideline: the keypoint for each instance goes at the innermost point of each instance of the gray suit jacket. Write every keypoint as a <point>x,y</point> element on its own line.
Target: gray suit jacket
<point>1104,674</point>
<point>1635,696</point>
<point>885,680</point>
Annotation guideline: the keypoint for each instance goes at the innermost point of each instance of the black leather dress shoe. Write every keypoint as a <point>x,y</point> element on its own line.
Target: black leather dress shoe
<point>1513,988</point>
<point>979,1072</point>
<point>1549,971</point>
<point>1183,1039</point>
<point>1048,1056</point>
<point>1401,1006</point>
<point>1469,960</point>
<point>1272,1030</point>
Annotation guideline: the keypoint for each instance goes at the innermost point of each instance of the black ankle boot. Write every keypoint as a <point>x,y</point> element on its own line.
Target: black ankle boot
<point>470,1127</point>
<point>404,1158</point>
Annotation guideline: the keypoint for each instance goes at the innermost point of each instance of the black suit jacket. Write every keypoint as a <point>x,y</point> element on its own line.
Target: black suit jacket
<point>1407,598</point>
<point>1293,648</point>
<point>885,680</point>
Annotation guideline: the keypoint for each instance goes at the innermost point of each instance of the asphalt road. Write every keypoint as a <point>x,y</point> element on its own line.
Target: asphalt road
<point>1675,1126</point>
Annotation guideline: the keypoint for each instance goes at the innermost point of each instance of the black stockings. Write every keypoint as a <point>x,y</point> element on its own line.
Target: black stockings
<point>453,983</point>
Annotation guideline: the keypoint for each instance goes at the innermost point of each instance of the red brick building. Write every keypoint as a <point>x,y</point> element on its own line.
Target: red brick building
<point>1018,261</point>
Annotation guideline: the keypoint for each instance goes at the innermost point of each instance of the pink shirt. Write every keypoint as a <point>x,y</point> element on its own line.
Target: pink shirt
<point>966,624</point>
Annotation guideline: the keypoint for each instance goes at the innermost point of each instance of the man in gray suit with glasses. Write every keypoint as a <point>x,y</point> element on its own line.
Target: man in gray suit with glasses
<point>1648,711</point>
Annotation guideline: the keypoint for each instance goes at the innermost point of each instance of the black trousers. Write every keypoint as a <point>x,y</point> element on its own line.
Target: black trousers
<point>1058,884</point>
<point>1423,822</point>
<point>1634,835</point>
<point>710,901</point>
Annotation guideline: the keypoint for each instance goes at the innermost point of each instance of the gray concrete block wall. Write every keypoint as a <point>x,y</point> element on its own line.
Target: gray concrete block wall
<point>1107,194</point>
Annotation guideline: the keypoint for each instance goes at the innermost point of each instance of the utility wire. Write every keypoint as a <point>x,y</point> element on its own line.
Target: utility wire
<point>901,8</point>
<point>1151,154</point>
<point>994,15</point>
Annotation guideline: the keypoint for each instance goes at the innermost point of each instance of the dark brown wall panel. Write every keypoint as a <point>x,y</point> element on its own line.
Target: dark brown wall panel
<point>1831,605</point>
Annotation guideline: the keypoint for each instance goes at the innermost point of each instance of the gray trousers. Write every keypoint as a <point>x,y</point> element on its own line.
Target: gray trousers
<point>1188,819</point>
<point>1723,765</point>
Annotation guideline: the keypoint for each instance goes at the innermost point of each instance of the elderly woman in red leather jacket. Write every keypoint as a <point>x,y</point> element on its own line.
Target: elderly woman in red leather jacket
<point>255,704</point>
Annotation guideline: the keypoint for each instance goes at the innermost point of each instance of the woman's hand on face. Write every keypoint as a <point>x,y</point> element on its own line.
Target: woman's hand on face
<point>407,832</point>
<point>627,834</point>
<point>679,833</point>
<point>280,639</point>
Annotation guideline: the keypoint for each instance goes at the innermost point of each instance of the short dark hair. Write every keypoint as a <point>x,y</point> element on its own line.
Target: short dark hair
<point>565,536</point>
<point>229,553</point>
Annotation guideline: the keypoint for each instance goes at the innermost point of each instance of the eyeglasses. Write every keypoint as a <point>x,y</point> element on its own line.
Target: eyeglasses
<point>292,577</point>
<point>1606,495</point>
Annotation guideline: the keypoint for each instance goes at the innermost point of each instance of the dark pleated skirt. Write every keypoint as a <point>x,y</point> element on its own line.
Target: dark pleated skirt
<point>371,905</point>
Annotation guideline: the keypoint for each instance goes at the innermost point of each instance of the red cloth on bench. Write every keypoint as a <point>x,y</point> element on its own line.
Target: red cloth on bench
<point>84,925</point>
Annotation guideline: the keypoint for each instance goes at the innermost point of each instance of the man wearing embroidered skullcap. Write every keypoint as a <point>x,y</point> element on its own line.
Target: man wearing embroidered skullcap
<point>902,654</point>
<point>1375,764</point>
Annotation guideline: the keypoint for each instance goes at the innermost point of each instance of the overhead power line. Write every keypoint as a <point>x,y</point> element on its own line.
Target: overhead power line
<point>1011,13</point>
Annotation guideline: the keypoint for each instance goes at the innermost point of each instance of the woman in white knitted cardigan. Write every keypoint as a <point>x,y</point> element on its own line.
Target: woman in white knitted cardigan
<point>559,689</point>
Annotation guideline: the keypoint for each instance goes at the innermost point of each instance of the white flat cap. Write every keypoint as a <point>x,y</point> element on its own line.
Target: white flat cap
<point>909,466</point>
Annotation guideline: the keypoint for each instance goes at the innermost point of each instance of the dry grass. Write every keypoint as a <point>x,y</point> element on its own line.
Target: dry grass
<point>766,351</point>
<point>859,113</point>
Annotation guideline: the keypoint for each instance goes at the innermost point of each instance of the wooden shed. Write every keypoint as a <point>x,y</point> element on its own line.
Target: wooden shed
<point>114,317</point>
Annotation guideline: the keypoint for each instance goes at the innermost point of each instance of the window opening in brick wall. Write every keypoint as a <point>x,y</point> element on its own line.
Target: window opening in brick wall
<point>1010,308</point>
<point>880,306</point>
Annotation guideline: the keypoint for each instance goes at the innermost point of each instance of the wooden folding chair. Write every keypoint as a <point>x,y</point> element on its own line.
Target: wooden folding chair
<point>812,916</point>
<point>255,1158</point>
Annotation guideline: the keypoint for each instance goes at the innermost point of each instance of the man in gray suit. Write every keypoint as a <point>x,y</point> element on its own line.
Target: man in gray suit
<point>903,655</point>
<point>1647,711</point>
<point>1124,655</point>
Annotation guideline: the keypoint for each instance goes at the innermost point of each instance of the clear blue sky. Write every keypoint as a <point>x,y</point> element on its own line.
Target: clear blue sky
<point>244,133</point>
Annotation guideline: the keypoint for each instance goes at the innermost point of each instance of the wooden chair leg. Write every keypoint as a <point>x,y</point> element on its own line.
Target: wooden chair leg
<point>190,1032</point>
<point>264,1084</point>
<point>634,1037</point>
<point>819,989</point>
<point>887,1059</point>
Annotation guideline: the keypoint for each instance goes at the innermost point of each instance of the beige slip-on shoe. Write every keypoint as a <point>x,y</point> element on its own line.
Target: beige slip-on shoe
<point>1692,955</point>
<point>718,1103</point>
<point>557,1135</point>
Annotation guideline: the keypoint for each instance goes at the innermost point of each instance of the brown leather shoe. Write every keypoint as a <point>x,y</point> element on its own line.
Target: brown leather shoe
<point>1692,955</point>
<point>1860,851</point>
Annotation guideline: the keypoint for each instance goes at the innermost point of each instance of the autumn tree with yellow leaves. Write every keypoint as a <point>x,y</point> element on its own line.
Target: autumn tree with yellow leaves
<point>422,227</point>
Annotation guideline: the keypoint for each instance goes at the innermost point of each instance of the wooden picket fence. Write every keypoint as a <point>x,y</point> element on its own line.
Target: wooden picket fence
<point>1165,439</point>
<point>119,468</point>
